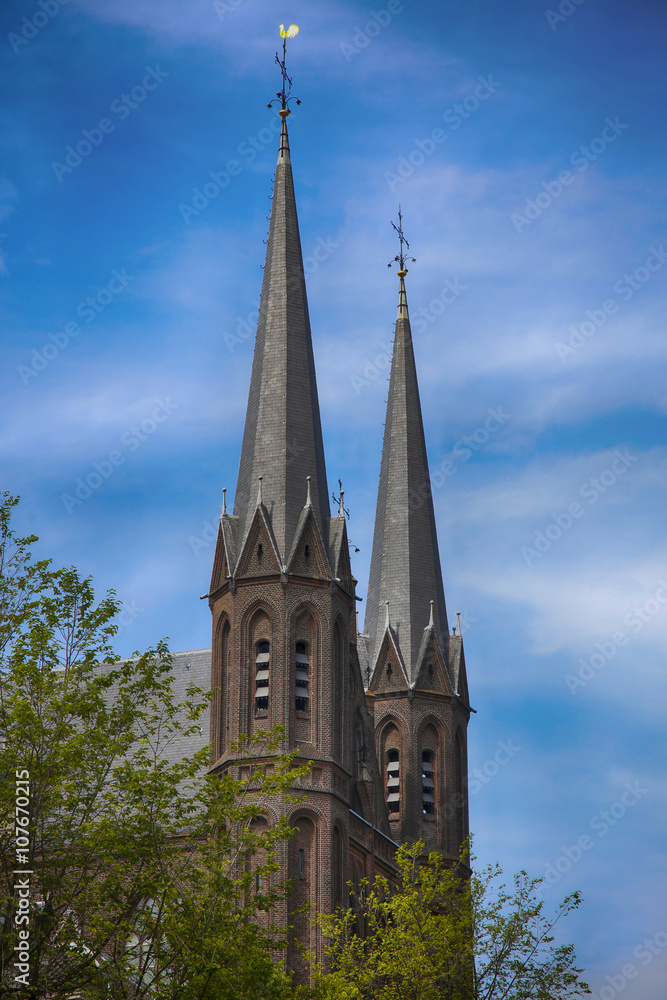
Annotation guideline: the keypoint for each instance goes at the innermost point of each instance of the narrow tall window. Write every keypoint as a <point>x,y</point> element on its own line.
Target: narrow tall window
<point>337,867</point>
<point>262,662</point>
<point>428,783</point>
<point>393,782</point>
<point>459,776</point>
<point>338,713</point>
<point>302,862</point>
<point>302,678</point>
<point>224,687</point>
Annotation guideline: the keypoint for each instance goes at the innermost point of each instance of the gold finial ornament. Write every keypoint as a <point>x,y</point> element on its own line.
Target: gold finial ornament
<point>401,257</point>
<point>284,95</point>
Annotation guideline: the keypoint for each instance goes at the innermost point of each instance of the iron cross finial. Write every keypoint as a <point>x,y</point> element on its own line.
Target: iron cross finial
<point>342,510</point>
<point>401,257</point>
<point>284,95</point>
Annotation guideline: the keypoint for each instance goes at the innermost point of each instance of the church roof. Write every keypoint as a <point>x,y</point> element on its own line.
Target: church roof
<point>282,441</point>
<point>405,569</point>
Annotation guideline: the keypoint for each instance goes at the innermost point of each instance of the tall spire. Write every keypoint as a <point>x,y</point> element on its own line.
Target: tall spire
<point>405,563</point>
<point>282,440</point>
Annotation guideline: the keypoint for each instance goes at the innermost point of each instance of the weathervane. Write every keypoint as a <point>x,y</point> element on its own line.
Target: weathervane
<point>400,257</point>
<point>284,95</point>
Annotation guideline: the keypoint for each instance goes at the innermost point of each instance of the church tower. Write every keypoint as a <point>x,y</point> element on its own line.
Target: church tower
<point>416,669</point>
<point>388,764</point>
<point>283,601</point>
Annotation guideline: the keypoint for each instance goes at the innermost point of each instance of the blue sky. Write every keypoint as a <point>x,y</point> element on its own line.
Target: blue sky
<point>526,146</point>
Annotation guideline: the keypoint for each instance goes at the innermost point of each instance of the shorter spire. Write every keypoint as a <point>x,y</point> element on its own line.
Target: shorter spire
<point>341,508</point>
<point>405,562</point>
<point>309,502</point>
<point>259,491</point>
<point>430,621</point>
<point>224,502</point>
<point>386,614</point>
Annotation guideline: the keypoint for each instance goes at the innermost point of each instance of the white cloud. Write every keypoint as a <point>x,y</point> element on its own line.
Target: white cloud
<point>247,32</point>
<point>597,575</point>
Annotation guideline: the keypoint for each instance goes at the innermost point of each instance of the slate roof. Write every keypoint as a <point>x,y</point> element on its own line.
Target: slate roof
<point>193,666</point>
<point>282,440</point>
<point>405,562</point>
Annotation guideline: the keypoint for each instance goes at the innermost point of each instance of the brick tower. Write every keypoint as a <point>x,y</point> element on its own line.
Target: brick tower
<point>414,668</point>
<point>388,764</point>
<point>283,601</point>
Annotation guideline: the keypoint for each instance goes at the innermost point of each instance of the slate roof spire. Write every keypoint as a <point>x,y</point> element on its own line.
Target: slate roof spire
<point>405,562</point>
<point>282,440</point>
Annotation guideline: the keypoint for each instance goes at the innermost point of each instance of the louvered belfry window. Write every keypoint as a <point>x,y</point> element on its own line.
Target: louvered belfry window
<point>302,677</point>
<point>393,781</point>
<point>428,782</point>
<point>262,667</point>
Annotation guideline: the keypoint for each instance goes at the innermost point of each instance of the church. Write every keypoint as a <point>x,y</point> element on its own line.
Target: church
<point>381,714</point>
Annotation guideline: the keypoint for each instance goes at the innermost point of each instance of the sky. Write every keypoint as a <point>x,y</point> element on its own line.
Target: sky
<point>526,147</point>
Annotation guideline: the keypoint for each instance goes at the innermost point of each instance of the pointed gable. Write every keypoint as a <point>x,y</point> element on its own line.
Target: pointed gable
<point>431,669</point>
<point>259,555</point>
<point>389,674</point>
<point>308,557</point>
<point>457,667</point>
<point>339,553</point>
<point>282,440</point>
<point>226,551</point>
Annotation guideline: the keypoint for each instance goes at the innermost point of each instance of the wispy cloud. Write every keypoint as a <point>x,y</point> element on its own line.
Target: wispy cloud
<point>537,617</point>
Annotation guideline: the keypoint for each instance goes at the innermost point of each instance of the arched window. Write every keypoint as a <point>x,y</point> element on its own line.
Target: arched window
<point>140,946</point>
<point>302,869</point>
<point>428,783</point>
<point>302,678</point>
<point>224,687</point>
<point>459,781</point>
<point>337,867</point>
<point>393,782</point>
<point>338,707</point>
<point>262,665</point>
<point>256,857</point>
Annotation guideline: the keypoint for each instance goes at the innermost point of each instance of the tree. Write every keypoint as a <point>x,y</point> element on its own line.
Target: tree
<point>140,871</point>
<point>442,932</point>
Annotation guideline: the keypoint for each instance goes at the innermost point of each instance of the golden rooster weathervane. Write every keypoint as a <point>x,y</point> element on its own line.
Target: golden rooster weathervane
<point>284,95</point>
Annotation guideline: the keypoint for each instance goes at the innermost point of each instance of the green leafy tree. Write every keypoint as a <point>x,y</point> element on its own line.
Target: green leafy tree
<point>143,869</point>
<point>441,932</point>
